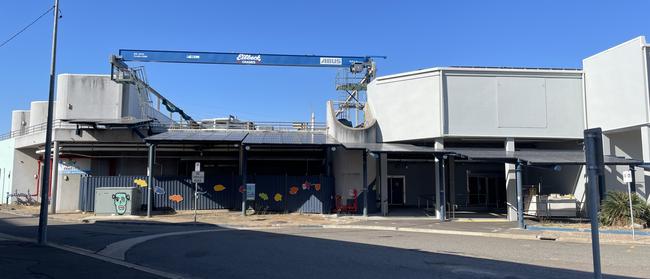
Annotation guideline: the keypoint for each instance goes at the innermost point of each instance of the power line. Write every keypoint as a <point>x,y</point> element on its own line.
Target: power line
<point>25,28</point>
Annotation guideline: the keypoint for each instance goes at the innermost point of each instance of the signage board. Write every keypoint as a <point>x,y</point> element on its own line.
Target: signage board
<point>250,191</point>
<point>198,177</point>
<point>627,176</point>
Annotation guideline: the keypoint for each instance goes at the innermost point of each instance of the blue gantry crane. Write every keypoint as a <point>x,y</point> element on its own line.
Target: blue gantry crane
<point>361,70</point>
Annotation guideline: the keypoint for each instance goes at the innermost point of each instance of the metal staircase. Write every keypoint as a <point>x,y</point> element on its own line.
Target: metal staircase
<point>143,93</point>
<point>353,84</point>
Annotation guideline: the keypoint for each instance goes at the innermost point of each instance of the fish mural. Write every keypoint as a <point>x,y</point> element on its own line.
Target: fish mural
<point>293,190</point>
<point>158,190</point>
<point>277,197</point>
<point>219,188</point>
<point>264,196</point>
<point>176,198</point>
<point>317,186</point>
<point>140,182</point>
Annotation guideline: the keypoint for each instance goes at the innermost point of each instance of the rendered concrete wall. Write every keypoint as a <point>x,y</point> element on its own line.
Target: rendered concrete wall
<point>24,177</point>
<point>38,113</point>
<point>616,89</point>
<point>69,181</point>
<point>344,133</point>
<point>348,173</point>
<point>19,120</point>
<point>625,144</point>
<point>475,102</point>
<point>131,103</point>
<point>407,106</point>
<point>6,168</point>
<point>88,97</point>
<point>513,104</point>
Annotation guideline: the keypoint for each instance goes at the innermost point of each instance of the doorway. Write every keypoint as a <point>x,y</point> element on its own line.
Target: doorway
<point>485,191</point>
<point>396,190</point>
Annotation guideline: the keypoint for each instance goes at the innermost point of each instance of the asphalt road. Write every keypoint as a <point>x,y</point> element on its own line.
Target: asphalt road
<point>318,253</point>
<point>21,260</point>
<point>336,253</point>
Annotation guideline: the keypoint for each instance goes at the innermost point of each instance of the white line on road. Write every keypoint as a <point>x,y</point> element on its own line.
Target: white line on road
<point>117,250</point>
<point>87,253</point>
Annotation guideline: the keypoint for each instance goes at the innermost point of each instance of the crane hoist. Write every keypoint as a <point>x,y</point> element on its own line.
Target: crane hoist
<point>361,70</point>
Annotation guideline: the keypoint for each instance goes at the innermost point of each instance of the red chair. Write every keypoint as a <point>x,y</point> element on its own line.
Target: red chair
<point>345,208</point>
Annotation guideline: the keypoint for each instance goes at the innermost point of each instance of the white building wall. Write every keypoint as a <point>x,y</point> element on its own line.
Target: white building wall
<point>348,173</point>
<point>6,168</point>
<point>69,182</point>
<point>625,144</point>
<point>513,104</point>
<point>25,174</point>
<point>616,90</point>
<point>476,102</point>
<point>402,104</point>
<point>88,97</point>
<point>19,121</point>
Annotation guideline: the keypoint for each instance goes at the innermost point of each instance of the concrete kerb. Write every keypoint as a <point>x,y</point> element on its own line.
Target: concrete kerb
<point>433,231</point>
<point>537,234</point>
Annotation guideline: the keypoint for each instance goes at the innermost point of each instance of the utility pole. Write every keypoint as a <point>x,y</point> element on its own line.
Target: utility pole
<point>594,164</point>
<point>42,220</point>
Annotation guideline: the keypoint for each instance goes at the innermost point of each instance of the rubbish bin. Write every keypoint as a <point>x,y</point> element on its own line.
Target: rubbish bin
<point>117,200</point>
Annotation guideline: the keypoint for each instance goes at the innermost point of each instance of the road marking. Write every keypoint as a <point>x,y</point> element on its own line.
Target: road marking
<point>87,253</point>
<point>117,250</point>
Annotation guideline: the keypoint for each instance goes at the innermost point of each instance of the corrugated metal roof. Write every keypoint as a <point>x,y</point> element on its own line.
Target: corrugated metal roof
<point>245,137</point>
<point>180,136</point>
<point>289,138</point>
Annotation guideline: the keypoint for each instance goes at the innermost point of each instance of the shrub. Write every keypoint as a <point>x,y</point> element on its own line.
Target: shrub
<point>615,210</point>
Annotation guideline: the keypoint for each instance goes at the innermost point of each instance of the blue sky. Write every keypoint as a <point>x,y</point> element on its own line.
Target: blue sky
<point>413,34</point>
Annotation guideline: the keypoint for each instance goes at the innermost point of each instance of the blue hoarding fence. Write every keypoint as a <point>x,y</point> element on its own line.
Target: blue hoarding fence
<point>305,194</point>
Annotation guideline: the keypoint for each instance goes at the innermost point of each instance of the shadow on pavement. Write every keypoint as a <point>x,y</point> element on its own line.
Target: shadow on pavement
<point>247,254</point>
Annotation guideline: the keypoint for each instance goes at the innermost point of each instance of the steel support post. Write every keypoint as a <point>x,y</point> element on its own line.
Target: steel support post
<point>55,176</point>
<point>520,198</point>
<point>365,183</point>
<point>150,162</point>
<point>443,199</point>
<point>243,165</point>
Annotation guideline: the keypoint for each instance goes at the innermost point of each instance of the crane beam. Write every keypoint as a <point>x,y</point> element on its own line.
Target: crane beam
<point>240,58</point>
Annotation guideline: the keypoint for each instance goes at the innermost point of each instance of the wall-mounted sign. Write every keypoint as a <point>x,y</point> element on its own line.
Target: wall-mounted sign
<point>250,191</point>
<point>72,167</point>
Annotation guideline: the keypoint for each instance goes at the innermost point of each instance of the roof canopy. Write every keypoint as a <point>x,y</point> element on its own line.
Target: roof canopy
<point>538,156</point>
<point>288,138</point>
<point>309,138</point>
<point>243,137</point>
<point>393,148</point>
<point>198,136</point>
